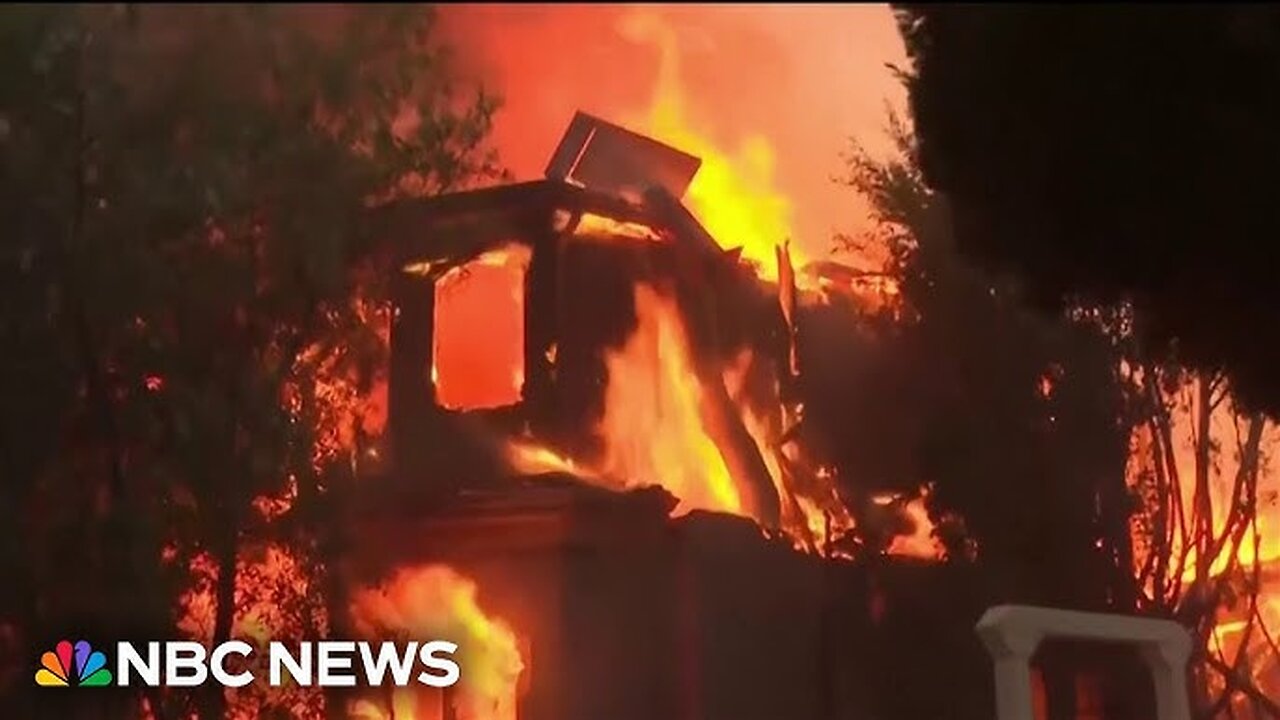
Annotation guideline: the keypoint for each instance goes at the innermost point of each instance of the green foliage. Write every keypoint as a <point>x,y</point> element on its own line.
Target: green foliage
<point>185,193</point>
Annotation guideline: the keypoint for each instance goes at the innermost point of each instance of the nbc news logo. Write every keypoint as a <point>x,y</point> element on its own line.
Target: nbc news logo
<point>328,663</point>
<point>71,665</point>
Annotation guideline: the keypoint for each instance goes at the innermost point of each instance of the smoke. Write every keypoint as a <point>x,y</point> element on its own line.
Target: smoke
<point>804,77</point>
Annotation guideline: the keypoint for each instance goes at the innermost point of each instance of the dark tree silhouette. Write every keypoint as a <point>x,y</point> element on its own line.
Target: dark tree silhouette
<point>185,193</point>
<point>1018,421</point>
<point>1116,152</point>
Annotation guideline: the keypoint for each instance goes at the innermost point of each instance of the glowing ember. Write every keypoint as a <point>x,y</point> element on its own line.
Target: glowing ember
<point>529,458</point>
<point>592,226</point>
<point>922,542</point>
<point>329,386</point>
<point>417,268</point>
<point>435,602</point>
<point>811,512</point>
<point>733,195</point>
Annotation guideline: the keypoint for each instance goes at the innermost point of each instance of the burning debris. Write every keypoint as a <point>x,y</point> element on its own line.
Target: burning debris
<point>578,363</point>
<point>678,371</point>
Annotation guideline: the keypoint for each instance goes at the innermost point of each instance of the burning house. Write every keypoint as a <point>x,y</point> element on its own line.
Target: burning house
<point>605,453</point>
<point>592,476</point>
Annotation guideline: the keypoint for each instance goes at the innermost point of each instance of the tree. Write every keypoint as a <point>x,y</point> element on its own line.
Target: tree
<point>942,394</point>
<point>187,193</point>
<point>1018,422</point>
<point>1202,556</point>
<point>1115,153</point>
<point>1016,419</point>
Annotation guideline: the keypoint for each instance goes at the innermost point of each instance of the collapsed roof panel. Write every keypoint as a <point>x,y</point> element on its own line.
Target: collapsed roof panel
<point>599,155</point>
<point>599,172</point>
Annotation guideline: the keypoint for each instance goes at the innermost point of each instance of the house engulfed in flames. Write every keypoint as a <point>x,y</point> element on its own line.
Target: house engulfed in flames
<point>592,478</point>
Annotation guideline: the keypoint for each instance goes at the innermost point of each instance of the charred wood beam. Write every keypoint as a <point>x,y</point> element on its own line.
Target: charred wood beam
<point>414,225</point>
<point>675,216</point>
<point>700,269</point>
<point>412,394</point>
<point>541,323</point>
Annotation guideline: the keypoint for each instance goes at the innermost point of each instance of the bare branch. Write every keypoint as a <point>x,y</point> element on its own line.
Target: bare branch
<point>1243,685</point>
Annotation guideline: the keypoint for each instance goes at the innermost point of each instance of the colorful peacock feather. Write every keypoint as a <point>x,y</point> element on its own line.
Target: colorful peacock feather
<point>70,665</point>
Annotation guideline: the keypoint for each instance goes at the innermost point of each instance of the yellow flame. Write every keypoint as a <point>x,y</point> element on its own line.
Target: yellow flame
<point>734,194</point>
<point>529,458</point>
<point>652,423</point>
<point>435,601</point>
<point>810,515</point>
<point>922,542</point>
<point>1260,542</point>
<point>653,433</point>
<point>593,226</point>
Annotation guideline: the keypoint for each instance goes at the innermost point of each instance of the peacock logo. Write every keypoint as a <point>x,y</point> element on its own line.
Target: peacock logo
<point>57,670</point>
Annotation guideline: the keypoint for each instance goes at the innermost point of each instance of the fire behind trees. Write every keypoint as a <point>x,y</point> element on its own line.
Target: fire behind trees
<point>1105,154</point>
<point>1087,470</point>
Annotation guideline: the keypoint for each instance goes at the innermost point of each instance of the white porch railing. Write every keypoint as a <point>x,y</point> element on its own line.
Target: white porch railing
<point>1012,633</point>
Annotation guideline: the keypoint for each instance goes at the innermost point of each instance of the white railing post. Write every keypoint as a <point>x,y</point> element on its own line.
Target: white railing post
<point>1011,634</point>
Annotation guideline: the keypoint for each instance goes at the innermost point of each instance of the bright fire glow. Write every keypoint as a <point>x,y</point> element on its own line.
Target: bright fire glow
<point>436,602</point>
<point>734,195</point>
<point>592,226</point>
<point>478,360</point>
<point>1260,541</point>
<point>812,514</point>
<point>529,458</point>
<point>652,422</point>
<point>654,432</point>
<point>275,600</point>
<point>922,542</point>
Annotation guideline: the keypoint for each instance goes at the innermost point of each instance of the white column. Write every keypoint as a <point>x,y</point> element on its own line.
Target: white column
<point>1011,649</point>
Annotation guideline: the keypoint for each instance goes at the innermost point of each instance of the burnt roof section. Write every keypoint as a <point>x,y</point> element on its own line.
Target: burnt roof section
<point>465,223</point>
<point>602,156</point>
<point>598,168</point>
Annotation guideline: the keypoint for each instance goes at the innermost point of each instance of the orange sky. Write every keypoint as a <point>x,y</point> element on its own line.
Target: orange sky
<point>806,78</point>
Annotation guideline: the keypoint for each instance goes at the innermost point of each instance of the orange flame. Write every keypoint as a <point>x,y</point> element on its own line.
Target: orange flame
<point>652,423</point>
<point>922,542</point>
<point>654,433</point>
<point>734,195</point>
<point>1260,541</point>
<point>436,602</point>
<point>275,599</point>
<point>814,515</point>
<point>529,458</point>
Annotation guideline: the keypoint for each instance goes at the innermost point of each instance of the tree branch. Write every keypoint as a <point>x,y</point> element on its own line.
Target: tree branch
<point>1243,685</point>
